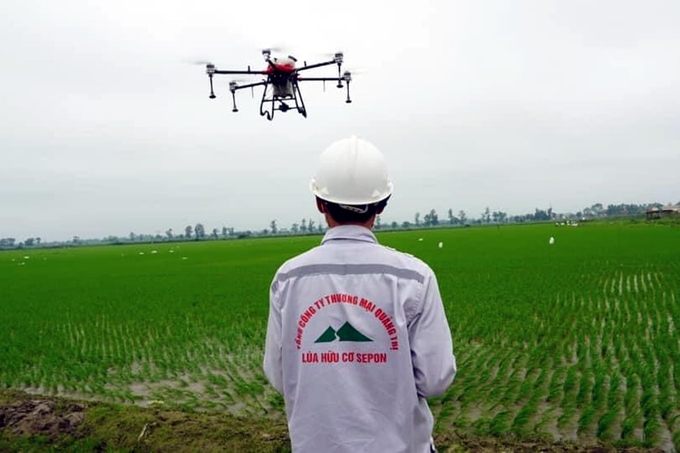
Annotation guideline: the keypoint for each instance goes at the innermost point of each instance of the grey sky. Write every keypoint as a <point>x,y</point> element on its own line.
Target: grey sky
<point>106,129</point>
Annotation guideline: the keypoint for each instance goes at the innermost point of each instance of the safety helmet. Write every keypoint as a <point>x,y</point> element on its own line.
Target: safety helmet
<point>352,171</point>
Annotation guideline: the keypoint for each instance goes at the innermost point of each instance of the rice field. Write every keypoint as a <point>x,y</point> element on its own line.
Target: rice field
<point>575,340</point>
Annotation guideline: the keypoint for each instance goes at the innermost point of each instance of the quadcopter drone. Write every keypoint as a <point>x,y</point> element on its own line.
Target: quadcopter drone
<point>282,82</point>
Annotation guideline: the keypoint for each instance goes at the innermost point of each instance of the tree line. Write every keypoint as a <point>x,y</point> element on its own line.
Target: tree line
<point>431,218</point>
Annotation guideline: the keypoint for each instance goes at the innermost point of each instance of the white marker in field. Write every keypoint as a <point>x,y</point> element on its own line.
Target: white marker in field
<point>551,241</point>
<point>440,245</point>
<point>420,239</point>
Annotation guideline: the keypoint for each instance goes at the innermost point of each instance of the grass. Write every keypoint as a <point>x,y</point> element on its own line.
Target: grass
<point>577,340</point>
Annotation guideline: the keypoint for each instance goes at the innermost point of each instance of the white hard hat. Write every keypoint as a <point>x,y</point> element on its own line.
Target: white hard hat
<point>352,171</point>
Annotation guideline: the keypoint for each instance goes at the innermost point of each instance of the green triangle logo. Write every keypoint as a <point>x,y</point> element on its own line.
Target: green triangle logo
<point>348,333</point>
<point>345,333</point>
<point>327,336</point>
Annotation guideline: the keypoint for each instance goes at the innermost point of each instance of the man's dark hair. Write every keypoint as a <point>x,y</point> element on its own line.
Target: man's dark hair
<point>353,213</point>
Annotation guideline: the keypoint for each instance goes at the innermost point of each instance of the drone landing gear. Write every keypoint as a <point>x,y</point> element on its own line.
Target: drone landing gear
<point>212,93</point>
<point>233,100</point>
<point>278,102</point>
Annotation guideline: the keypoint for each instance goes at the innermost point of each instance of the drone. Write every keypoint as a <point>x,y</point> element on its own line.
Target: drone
<point>282,82</point>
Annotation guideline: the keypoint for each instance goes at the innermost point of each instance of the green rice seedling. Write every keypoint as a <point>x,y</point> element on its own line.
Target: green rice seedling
<point>632,396</point>
<point>650,431</point>
<point>614,396</point>
<point>523,418</point>
<point>605,424</point>
<point>599,392</point>
<point>585,420</point>
<point>500,424</point>
<point>583,397</point>
<point>568,414</point>
<point>629,425</point>
<point>556,386</point>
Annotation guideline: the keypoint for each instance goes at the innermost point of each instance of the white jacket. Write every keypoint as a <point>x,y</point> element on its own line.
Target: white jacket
<point>357,338</point>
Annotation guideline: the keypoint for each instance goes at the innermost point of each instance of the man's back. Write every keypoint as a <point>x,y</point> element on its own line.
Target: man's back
<point>357,338</point>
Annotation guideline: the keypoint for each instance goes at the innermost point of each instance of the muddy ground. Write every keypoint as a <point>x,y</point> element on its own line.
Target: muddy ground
<point>41,423</point>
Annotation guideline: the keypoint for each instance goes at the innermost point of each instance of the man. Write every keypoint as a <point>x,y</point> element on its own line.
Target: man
<point>357,336</point>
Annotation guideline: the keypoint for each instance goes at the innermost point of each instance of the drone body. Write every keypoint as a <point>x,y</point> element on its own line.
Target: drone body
<point>281,82</point>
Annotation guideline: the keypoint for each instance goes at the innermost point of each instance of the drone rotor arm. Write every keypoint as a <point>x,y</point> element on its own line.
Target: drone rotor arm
<point>249,85</point>
<point>320,79</point>
<point>316,65</point>
<point>220,71</point>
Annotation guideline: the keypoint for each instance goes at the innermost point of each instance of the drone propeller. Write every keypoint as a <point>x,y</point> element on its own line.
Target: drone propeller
<point>332,54</point>
<point>268,50</point>
<point>355,71</point>
<point>237,82</point>
<point>197,62</point>
<point>337,55</point>
<point>277,49</point>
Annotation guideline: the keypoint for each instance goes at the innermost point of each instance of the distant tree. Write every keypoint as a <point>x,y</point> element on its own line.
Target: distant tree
<point>272,226</point>
<point>295,228</point>
<point>417,219</point>
<point>168,233</point>
<point>451,217</point>
<point>462,216</point>
<point>486,217</point>
<point>7,242</point>
<point>76,239</point>
<point>37,240</point>
<point>378,225</point>
<point>542,215</point>
<point>310,226</point>
<point>406,224</point>
<point>434,218</point>
<point>132,236</point>
<point>598,209</point>
<point>188,231</point>
<point>224,232</point>
<point>303,226</point>
<point>395,225</point>
<point>199,231</point>
<point>215,233</point>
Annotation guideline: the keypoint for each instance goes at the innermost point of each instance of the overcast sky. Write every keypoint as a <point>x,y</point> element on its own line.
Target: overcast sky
<point>106,128</point>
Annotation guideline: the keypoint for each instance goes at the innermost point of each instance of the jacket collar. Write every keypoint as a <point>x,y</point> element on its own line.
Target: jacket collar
<point>349,232</point>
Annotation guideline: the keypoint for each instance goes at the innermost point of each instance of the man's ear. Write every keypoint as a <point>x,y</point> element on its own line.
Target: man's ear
<point>320,205</point>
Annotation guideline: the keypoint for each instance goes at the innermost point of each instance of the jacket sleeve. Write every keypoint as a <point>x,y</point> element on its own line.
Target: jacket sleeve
<point>434,363</point>
<point>272,350</point>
